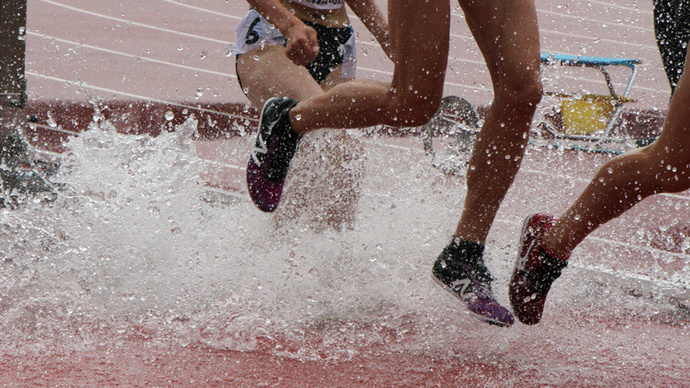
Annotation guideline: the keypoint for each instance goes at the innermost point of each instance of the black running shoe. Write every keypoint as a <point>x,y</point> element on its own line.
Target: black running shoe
<point>460,270</point>
<point>275,146</point>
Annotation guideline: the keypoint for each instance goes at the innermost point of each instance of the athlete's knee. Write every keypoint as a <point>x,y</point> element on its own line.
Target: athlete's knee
<point>656,172</point>
<point>521,92</point>
<point>672,174</point>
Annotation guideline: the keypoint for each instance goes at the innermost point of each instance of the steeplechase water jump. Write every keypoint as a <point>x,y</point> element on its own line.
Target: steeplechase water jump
<point>296,193</point>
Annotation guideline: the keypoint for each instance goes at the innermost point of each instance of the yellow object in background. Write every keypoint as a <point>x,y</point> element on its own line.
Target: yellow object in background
<point>586,114</point>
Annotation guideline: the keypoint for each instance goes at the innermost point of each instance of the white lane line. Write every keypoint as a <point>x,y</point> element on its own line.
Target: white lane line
<point>650,250</point>
<point>600,22</point>
<point>129,22</point>
<point>619,6</point>
<point>56,129</point>
<point>203,9</point>
<point>137,57</point>
<point>594,38</point>
<point>218,163</point>
<point>131,95</point>
<point>196,69</point>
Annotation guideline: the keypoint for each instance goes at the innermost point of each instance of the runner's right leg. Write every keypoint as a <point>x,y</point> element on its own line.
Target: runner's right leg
<point>419,36</point>
<point>661,167</point>
<point>508,37</point>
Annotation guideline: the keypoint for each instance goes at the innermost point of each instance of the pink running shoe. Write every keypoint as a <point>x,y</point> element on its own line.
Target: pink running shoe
<point>275,146</point>
<point>534,271</point>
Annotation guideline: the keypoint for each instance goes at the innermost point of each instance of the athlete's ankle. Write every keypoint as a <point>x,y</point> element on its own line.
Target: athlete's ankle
<point>551,249</point>
<point>297,122</point>
<point>470,248</point>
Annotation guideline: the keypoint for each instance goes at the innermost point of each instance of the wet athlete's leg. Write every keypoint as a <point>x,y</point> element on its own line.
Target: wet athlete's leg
<point>419,35</point>
<point>267,72</point>
<point>661,167</point>
<point>508,37</point>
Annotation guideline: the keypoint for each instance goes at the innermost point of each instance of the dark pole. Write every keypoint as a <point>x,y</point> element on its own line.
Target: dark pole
<point>12,52</point>
<point>18,175</point>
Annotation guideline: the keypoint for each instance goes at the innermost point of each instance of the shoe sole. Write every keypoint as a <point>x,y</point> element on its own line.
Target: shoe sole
<point>472,314</point>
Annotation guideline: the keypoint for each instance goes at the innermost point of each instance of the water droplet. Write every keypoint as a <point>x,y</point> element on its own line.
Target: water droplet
<point>229,50</point>
<point>51,121</point>
<point>169,115</point>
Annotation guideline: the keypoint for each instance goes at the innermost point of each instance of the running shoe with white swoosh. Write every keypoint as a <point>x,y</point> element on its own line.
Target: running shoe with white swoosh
<point>535,271</point>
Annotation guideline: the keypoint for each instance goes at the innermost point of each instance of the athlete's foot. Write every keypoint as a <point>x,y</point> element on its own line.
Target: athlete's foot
<point>461,271</point>
<point>275,146</point>
<point>535,271</point>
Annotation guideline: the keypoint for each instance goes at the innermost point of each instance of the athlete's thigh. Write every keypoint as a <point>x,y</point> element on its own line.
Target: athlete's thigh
<point>334,78</point>
<point>267,72</point>
<point>419,36</point>
<point>674,140</point>
<point>507,34</point>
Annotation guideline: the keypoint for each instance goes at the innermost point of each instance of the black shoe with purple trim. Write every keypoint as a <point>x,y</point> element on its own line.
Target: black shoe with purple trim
<point>275,146</point>
<point>460,270</point>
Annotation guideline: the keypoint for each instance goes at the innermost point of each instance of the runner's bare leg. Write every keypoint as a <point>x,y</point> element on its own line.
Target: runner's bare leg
<point>661,167</point>
<point>266,72</point>
<point>508,37</point>
<point>419,36</point>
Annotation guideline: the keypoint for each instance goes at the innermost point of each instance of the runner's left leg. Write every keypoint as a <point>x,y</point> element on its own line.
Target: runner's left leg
<point>508,37</point>
<point>419,36</point>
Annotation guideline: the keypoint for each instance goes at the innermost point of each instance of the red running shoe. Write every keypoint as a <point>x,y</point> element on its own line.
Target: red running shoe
<point>534,271</point>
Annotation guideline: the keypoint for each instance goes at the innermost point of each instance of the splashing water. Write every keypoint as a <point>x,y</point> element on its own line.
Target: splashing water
<point>130,250</point>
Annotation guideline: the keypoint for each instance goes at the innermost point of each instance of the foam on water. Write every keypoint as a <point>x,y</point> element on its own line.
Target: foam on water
<point>129,243</point>
<point>130,250</point>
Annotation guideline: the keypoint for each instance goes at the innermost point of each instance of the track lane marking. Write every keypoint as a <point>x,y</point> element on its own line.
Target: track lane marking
<point>130,22</point>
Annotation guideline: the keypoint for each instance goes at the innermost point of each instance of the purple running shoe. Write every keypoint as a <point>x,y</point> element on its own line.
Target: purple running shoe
<point>275,146</point>
<point>460,270</point>
<point>534,271</point>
